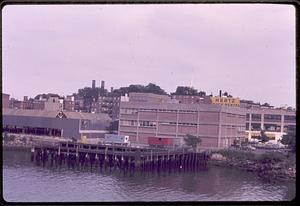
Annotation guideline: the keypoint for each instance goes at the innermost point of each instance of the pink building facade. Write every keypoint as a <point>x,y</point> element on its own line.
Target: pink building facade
<point>217,126</point>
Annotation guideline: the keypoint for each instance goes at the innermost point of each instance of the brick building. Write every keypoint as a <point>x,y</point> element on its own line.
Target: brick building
<point>218,126</point>
<point>5,100</point>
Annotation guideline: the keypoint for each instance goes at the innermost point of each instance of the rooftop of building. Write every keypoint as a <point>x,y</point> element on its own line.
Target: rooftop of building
<point>181,106</point>
<point>140,94</point>
<point>54,114</point>
<point>266,110</point>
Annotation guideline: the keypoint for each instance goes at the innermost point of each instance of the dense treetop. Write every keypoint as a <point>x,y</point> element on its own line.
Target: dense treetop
<point>150,88</point>
<point>46,96</point>
<point>184,90</point>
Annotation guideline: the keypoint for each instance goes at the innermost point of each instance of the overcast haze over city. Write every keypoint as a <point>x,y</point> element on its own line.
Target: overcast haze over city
<point>247,50</point>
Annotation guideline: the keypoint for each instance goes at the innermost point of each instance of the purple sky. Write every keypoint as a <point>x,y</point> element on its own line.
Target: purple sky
<point>247,50</point>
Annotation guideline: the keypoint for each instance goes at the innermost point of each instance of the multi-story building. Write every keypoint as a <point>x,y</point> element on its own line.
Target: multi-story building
<point>148,97</point>
<point>218,126</point>
<point>249,104</point>
<point>16,104</point>
<point>110,104</point>
<point>53,104</point>
<point>79,104</point>
<point>69,103</point>
<point>38,105</point>
<point>28,103</point>
<point>5,100</point>
<point>274,122</point>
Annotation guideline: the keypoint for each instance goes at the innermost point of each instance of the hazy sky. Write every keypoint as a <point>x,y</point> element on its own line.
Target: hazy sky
<point>247,49</point>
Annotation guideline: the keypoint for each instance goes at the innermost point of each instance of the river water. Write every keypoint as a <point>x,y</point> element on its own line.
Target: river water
<point>23,181</point>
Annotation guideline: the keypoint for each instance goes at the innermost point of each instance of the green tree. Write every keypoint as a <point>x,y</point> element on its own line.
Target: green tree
<point>183,90</point>
<point>192,141</point>
<point>290,138</point>
<point>263,137</point>
<point>46,96</point>
<point>138,88</point>
<point>202,93</point>
<point>153,88</point>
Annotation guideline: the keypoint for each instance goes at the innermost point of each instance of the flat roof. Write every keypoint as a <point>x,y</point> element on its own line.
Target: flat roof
<point>53,114</point>
<point>181,106</point>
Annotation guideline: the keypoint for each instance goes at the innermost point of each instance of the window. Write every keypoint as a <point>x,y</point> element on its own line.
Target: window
<point>148,110</point>
<point>128,122</point>
<point>128,111</point>
<point>147,124</point>
<point>167,123</point>
<point>187,111</point>
<point>256,116</point>
<point>272,117</point>
<point>289,117</point>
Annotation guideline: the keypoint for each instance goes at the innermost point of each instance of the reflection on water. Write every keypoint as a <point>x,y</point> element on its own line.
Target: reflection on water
<point>23,181</point>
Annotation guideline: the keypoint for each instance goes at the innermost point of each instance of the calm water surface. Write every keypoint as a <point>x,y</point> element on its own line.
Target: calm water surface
<point>26,182</point>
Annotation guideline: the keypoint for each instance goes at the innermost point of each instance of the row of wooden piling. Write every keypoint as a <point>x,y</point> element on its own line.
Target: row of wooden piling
<point>123,162</point>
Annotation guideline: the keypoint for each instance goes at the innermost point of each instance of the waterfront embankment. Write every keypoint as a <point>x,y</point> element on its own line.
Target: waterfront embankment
<point>24,142</point>
<point>271,166</point>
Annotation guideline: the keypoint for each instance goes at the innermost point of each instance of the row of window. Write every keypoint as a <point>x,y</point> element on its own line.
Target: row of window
<point>134,111</point>
<point>271,117</point>
<point>235,116</point>
<point>153,123</point>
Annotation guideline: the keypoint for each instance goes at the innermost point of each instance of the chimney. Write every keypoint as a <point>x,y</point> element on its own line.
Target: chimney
<point>25,98</point>
<point>93,84</point>
<point>220,93</point>
<point>111,89</point>
<point>102,85</point>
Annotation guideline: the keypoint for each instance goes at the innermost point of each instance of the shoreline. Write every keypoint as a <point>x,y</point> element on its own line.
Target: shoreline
<point>269,171</point>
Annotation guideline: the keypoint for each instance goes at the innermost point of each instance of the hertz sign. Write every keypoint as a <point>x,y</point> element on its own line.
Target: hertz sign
<point>227,101</point>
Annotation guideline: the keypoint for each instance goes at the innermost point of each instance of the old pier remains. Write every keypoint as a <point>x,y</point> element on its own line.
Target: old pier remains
<point>104,157</point>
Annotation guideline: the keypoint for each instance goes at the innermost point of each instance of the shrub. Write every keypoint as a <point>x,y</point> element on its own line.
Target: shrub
<point>271,157</point>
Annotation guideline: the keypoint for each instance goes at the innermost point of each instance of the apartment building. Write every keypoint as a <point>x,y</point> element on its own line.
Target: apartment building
<point>217,125</point>
<point>109,104</point>
<point>69,103</point>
